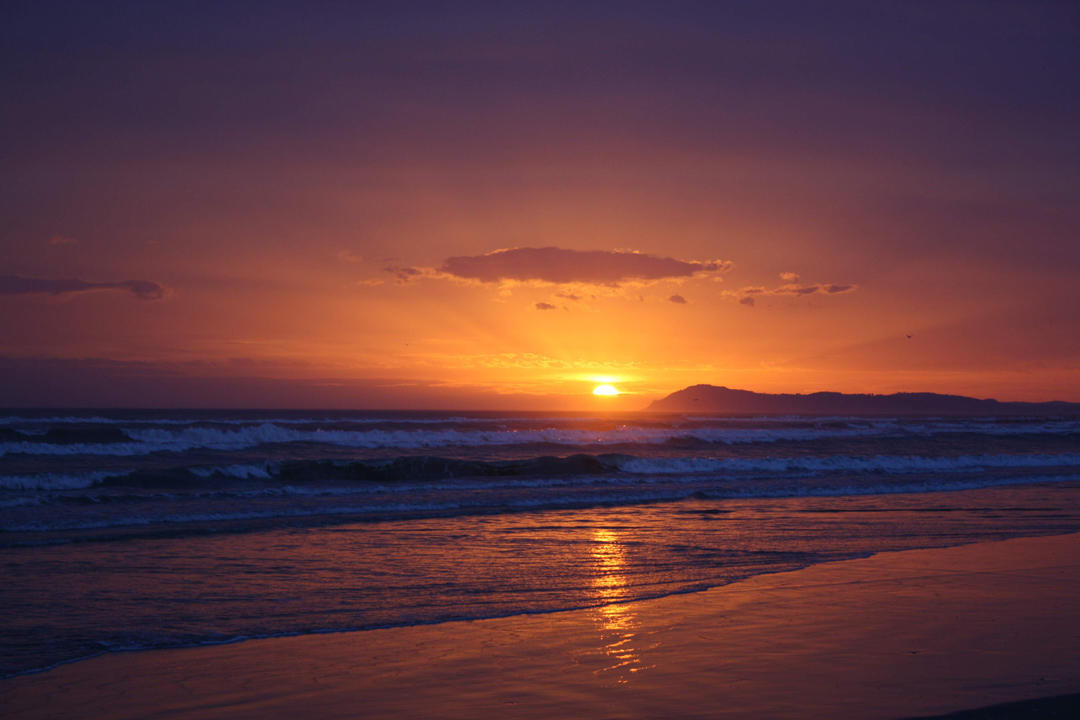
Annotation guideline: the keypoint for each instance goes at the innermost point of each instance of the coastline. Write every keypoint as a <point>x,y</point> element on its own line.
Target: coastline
<point>1052,707</point>
<point>902,634</point>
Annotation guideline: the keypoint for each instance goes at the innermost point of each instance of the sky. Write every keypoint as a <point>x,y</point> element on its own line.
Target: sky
<point>480,205</point>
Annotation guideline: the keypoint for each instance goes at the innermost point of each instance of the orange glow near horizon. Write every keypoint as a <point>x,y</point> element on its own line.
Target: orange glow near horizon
<point>569,222</point>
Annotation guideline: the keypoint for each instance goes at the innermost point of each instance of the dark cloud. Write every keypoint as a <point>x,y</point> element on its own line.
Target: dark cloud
<point>746,295</point>
<point>559,266</point>
<point>677,299</point>
<point>570,296</point>
<point>404,275</point>
<point>546,306</point>
<point>837,289</point>
<point>813,289</point>
<point>15,285</point>
<point>796,290</point>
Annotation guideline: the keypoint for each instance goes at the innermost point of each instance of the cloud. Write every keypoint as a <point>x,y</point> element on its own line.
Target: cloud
<point>813,289</point>
<point>789,277</point>
<point>405,275</point>
<point>546,306</point>
<point>350,256</point>
<point>837,289</point>
<point>795,290</point>
<point>560,266</point>
<point>677,299</point>
<point>746,295</point>
<point>62,240</point>
<point>570,296</point>
<point>15,285</point>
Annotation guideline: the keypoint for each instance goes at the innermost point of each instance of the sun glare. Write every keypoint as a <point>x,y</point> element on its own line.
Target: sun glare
<point>604,390</point>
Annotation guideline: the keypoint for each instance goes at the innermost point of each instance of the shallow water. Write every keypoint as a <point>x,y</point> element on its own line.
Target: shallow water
<point>156,530</point>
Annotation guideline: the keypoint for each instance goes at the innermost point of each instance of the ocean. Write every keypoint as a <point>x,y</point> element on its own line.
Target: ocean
<point>124,531</point>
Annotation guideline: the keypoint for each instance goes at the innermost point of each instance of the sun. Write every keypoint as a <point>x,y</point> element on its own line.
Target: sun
<point>604,390</point>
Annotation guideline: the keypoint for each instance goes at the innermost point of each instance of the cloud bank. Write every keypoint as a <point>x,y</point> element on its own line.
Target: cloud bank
<point>561,266</point>
<point>16,285</point>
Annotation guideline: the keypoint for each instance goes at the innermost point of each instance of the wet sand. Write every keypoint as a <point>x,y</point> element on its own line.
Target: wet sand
<point>905,634</point>
<point>1062,706</point>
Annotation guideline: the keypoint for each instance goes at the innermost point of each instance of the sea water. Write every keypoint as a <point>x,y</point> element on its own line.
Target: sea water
<point>136,530</point>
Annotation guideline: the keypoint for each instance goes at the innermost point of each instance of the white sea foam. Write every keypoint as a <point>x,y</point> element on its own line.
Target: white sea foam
<point>243,472</point>
<point>879,463</point>
<point>112,449</point>
<point>565,431</point>
<point>56,481</point>
<point>19,502</point>
<point>472,504</point>
<point>160,440</point>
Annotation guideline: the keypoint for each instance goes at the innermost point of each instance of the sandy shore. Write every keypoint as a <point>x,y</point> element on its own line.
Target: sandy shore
<point>905,634</point>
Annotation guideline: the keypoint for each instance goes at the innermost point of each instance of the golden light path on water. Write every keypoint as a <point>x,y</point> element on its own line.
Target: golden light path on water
<point>616,621</point>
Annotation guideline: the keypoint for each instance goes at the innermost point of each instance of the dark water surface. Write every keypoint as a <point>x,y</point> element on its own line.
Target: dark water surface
<point>142,530</point>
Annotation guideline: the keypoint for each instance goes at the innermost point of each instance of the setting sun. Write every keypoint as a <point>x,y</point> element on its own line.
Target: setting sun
<point>605,390</point>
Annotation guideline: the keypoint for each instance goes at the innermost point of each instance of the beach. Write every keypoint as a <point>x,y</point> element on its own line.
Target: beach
<point>540,360</point>
<point>898,634</point>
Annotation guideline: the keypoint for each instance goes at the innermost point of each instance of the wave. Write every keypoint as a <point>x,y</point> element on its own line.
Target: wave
<point>150,440</point>
<point>548,501</point>
<point>319,477</point>
<point>58,481</point>
<point>546,469</point>
<point>243,472</point>
<point>972,483</point>
<point>371,439</point>
<point>841,463</point>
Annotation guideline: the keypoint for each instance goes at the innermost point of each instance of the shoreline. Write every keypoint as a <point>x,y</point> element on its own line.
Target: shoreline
<point>1050,707</point>
<point>898,634</point>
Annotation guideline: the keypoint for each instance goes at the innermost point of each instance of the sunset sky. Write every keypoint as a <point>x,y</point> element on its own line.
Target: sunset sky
<point>501,205</point>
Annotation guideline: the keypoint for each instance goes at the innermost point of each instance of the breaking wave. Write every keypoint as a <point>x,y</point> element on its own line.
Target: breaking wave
<point>143,441</point>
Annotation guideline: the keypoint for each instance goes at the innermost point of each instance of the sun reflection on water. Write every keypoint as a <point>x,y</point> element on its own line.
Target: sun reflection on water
<point>617,622</point>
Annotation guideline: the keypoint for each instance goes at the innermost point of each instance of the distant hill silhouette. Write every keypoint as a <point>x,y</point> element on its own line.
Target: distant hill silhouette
<point>713,399</point>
